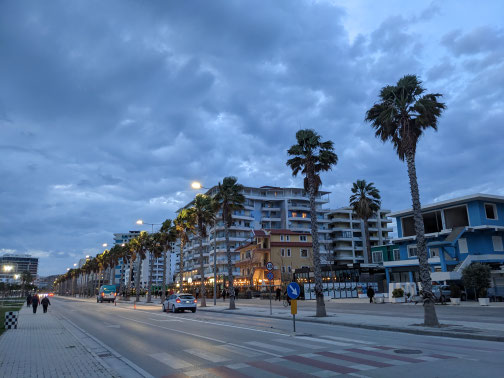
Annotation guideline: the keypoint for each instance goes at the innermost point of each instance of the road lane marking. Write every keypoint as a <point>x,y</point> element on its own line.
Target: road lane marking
<point>239,350</point>
<point>269,346</point>
<point>323,341</point>
<point>239,327</point>
<point>206,355</point>
<point>297,343</point>
<point>347,339</point>
<point>171,360</point>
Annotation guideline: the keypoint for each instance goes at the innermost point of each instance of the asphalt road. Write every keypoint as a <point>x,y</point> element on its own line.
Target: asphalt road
<point>226,345</point>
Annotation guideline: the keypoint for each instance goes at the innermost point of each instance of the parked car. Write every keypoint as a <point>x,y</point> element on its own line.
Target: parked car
<point>107,293</point>
<point>443,293</point>
<point>180,302</point>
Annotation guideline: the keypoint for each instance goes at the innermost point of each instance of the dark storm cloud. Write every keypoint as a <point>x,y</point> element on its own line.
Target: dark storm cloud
<point>109,109</point>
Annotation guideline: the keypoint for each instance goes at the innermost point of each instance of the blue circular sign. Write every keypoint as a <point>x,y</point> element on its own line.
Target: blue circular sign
<point>293,290</point>
<point>270,276</point>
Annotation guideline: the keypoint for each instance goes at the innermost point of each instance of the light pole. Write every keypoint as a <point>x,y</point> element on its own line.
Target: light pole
<point>197,185</point>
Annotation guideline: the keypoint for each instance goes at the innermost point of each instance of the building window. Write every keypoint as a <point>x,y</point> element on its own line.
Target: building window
<point>412,250</point>
<point>347,234</point>
<point>283,269</point>
<point>497,243</point>
<point>302,238</point>
<point>304,215</point>
<point>491,211</point>
<point>282,252</point>
<point>462,244</point>
<point>289,269</point>
<point>288,252</point>
<point>377,257</point>
<point>304,253</point>
<point>287,237</point>
<point>281,238</point>
<point>294,214</point>
<point>434,252</point>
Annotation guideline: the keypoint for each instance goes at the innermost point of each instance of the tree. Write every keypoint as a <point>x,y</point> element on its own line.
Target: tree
<point>184,225</point>
<point>401,116</point>
<point>365,201</point>
<point>229,198</point>
<point>477,276</point>
<point>139,247</point>
<point>26,279</point>
<point>155,247</point>
<point>310,157</point>
<point>168,235</point>
<point>124,254</point>
<point>204,215</point>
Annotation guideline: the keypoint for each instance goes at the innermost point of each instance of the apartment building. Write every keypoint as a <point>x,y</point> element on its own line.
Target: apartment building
<point>348,236</point>
<point>265,207</point>
<point>12,265</point>
<point>119,239</point>
<point>287,250</point>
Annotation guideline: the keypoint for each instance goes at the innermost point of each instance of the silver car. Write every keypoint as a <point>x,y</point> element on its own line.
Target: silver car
<point>180,302</point>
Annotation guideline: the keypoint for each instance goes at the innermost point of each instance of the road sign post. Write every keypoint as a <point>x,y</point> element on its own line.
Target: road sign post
<point>293,291</point>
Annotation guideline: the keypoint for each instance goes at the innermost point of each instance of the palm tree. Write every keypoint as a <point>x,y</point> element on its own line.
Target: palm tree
<point>310,157</point>
<point>139,246</point>
<point>168,235</point>
<point>401,115</point>
<point>365,201</point>
<point>124,255</point>
<point>230,198</point>
<point>184,225</point>
<point>155,248</point>
<point>204,211</point>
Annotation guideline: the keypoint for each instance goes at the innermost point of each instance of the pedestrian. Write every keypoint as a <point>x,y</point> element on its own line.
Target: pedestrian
<point>35,303</point>
<point>197,292</point>
<point>236,291</point>
<point>28,300</point>
<point>286,296</point>
<point>278,293</point>
<point>45,302</point>
<point>223,295</point>
<point>370,294</point>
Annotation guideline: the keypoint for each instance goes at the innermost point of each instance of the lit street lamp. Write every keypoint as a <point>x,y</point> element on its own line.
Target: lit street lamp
<point>141,222</point>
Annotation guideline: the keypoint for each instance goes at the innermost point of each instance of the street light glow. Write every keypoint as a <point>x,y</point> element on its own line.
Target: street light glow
<point>75,264</point>
<point>140,222</point>
<point>8,268</point>
<point>104,245</point>
<point>196,185</point>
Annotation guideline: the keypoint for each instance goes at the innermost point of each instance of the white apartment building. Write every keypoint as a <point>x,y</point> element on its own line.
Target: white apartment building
<point>123,238</point>
<point>266,207</point>
<point>348,237</point>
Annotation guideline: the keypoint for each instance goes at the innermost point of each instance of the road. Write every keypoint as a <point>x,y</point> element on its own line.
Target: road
<point>226,345</point>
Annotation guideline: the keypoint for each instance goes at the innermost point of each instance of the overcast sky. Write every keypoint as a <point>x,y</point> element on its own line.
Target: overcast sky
<point>109,109</point>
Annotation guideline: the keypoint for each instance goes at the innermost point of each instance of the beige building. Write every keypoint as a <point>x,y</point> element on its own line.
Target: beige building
<point>287,250</point>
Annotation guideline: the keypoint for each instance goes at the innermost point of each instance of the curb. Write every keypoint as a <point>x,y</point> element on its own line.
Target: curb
<point>377,327</point>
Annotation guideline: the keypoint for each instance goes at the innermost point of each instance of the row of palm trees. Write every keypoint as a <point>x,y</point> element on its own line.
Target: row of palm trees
<point>401,115</point>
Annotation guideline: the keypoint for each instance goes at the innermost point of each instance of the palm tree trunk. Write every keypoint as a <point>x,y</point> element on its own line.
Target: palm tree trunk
<point>98,281</point>
<point>121,282</point>
<point>130,275</point>
<point>112,272</point>
<point>73,285</point>
<point>151,272</point>
<point>317,272</point>
<point>202,273</point>
<point>137,279</point>
<point>181,265</point>
<point>163,285</point>
<point>368,242</point>
<point>430,317</point>
<point>230,269</point>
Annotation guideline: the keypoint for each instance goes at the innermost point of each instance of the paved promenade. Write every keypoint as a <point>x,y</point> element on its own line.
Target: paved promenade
<point>43,347</point>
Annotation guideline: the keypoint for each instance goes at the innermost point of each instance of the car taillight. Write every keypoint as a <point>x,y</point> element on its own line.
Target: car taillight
<point>115,294</point>
<point>102,294</point>
<point>178,300</point>
<point>195,301</point>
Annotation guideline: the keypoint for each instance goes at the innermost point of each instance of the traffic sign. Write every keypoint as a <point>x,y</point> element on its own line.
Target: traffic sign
<point>294,306</point>
<point>269,265</point>
<point>293,290</point>
<point>270,276</point>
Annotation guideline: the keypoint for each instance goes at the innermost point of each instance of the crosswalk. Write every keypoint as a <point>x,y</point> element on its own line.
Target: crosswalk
<point>292,357</point>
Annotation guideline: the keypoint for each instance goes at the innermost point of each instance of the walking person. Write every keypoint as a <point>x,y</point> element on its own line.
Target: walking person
<point>28,300</point>
<point>197,292</point>
<point>278,293</point>
<point>35,303</point>
<point>370,294</point>
<point>45,302</point>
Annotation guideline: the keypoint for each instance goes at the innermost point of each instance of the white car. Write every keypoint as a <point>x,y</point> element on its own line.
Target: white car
<point>180,302</point>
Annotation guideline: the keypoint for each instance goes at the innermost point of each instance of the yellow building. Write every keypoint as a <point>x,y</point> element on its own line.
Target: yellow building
<point>286,249</point>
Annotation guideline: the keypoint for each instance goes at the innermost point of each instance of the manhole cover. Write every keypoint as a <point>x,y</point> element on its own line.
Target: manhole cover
<point>407,351</point>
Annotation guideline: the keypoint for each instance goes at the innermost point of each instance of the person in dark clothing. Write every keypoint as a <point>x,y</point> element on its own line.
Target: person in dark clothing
<point>45,302</point>
<point>28,300</point>
<point>370,294</point>
<point>35,303</point>
<point>278,293</point>
<point>236,291</point>
<point>286,296</point>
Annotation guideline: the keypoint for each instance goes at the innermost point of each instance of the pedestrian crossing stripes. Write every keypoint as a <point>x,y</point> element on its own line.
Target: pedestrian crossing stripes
<point>353,361</point>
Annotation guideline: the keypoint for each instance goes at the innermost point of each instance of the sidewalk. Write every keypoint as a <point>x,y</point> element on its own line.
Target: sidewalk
<point>42,347</point>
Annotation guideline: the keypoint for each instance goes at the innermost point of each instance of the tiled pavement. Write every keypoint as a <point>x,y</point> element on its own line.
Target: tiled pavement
<point>42,347</point>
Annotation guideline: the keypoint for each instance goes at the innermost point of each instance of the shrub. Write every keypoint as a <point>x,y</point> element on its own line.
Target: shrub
<point>483,292</point>
<point>398,293</point>
<point>454,291</point>
<point>477,276</point>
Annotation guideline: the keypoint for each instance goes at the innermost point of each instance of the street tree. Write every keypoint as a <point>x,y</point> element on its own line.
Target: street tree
<point>168,235</point>
<point>310,157</point>
<point>402,114</point>
<point>184,225</point>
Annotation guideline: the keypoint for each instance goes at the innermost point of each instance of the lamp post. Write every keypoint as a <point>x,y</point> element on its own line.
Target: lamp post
<point>197,185</point>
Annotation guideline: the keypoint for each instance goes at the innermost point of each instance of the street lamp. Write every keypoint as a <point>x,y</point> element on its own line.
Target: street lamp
<point>8,268</point>
<point>197,185</point>
<point>104,245</point>
<point>141,222</point>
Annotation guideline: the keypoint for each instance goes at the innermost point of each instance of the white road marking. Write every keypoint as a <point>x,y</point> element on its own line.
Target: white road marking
<point>196,373</point>
<point>206,355</point>
<point>350,340</point>
<point>358,375</point>
<point>362,367</point>
<point>297,343</point>
<point>165,320</point>
<point>325,373</point>
<point>270,346</point>
<point>239,350</point>
<point>324,341</point>
<point>171,361</point>
<point>238,366</point>
<point>234,326</point>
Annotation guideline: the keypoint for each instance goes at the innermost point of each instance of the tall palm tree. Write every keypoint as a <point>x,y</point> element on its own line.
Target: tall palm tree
<point>184,225</point>
<point>155,248</point>
<point>365,201</point>
<point>310,156</point>
<point>204,211</point>
<point>230,198</point>
<point>124,255</point>
<point>139,246</point>
<point>401,115</point>
<point>168,235</point>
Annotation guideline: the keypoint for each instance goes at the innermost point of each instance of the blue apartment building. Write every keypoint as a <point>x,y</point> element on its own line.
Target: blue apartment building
<point>458,232</point>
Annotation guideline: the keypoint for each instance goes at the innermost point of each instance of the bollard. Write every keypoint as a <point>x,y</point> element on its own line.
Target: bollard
<point>11,319</point>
